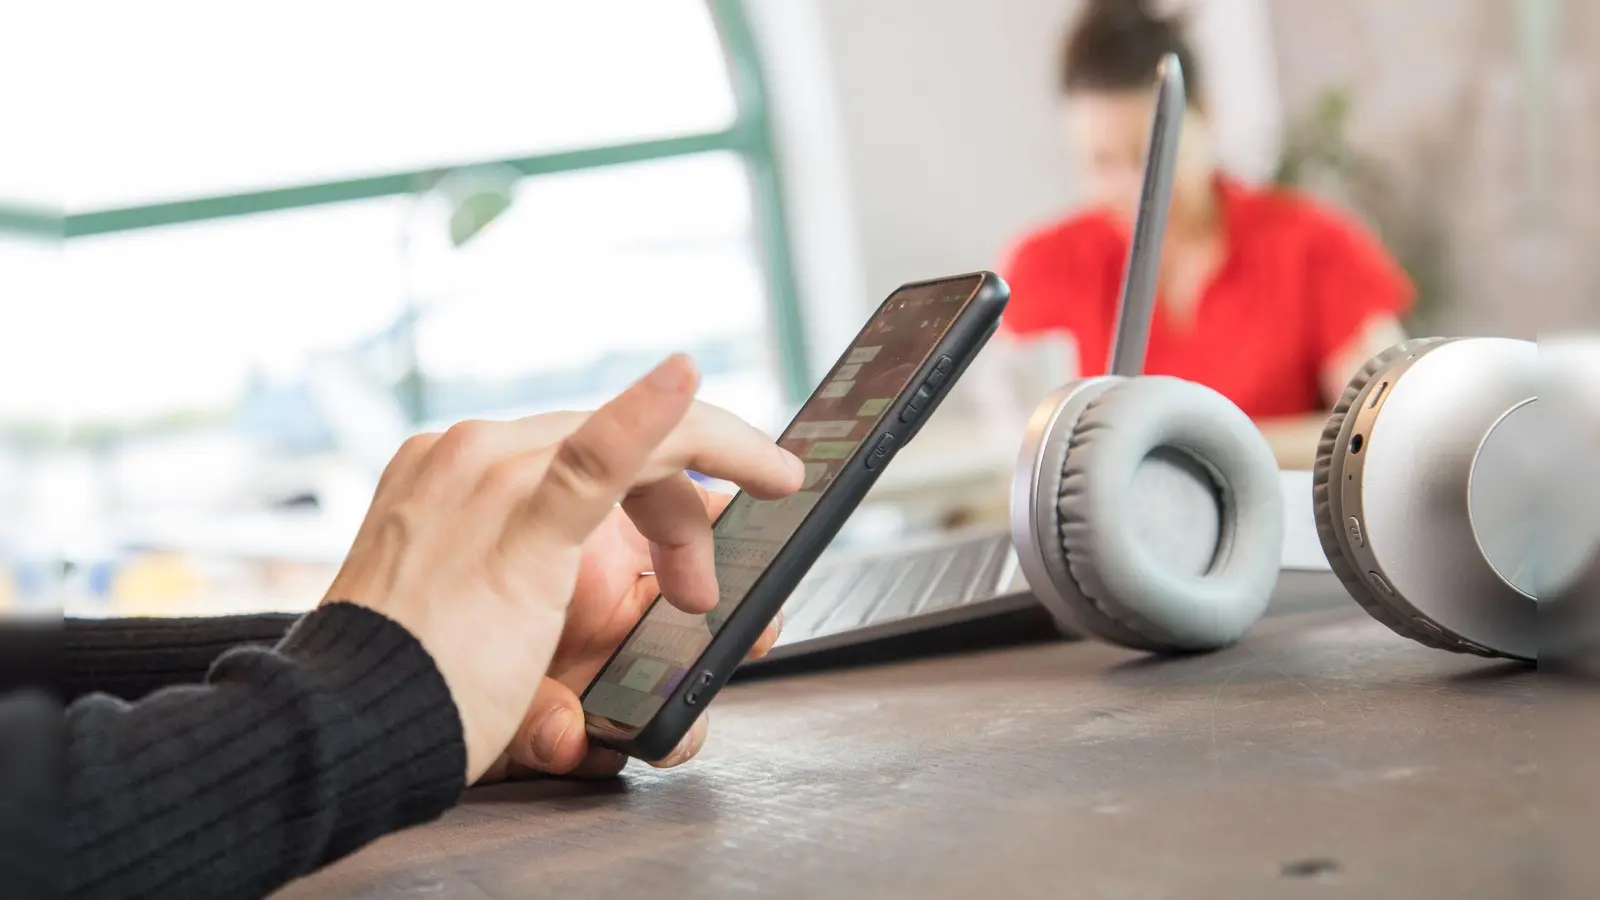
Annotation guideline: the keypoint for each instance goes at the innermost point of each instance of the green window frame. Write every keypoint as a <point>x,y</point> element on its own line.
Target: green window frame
<point>749,136</point>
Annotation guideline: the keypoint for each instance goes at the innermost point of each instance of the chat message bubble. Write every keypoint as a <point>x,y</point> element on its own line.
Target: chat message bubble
<point>875,407</point>
<point>831,450</point>
<point>810,431</point>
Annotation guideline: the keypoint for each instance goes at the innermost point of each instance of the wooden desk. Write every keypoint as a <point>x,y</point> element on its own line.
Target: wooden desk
<point>1322,757</point>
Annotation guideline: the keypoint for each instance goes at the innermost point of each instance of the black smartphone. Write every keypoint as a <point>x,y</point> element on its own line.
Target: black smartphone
<point>872,402</point>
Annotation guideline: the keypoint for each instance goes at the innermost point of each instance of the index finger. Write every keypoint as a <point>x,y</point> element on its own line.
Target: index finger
<point>720,445</point>
<point>601,460</point>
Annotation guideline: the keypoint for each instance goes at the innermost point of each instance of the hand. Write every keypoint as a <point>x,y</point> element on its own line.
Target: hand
<point>613,592</point>
<point>474,539</point>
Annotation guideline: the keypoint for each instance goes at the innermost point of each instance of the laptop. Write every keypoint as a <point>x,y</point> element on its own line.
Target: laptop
<point>861,596</point>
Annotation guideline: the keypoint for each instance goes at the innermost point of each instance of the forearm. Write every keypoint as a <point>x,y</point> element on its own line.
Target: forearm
<point>284,760</point>
<point>1293,439</point>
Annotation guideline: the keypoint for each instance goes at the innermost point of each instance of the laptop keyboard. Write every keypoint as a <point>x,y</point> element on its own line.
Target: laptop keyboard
<point>856,593</point>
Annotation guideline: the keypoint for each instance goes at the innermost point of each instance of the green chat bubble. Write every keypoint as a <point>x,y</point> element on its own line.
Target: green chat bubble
<point>831,450</point>
<point>875,407</point>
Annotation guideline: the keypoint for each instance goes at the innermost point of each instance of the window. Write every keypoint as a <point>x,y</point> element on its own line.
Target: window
<point>298,231</point>
<point>229,97</point>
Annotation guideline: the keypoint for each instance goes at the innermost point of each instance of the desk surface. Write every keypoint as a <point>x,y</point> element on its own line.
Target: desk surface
<point>1322,757</point>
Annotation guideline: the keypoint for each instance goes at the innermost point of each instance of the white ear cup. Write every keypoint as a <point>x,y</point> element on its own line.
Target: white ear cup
<point>1147,512</point>
<point>1417,491</point>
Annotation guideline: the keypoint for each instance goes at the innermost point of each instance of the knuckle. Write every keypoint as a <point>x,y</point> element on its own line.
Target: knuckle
<point>583,468</point>
<point>407,456</point>
<point>417,445</point>
<point>464,442</point>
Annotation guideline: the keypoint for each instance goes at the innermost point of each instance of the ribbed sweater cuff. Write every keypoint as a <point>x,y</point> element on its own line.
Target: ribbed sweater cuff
<point>285,760</point>
<point>402,720</point>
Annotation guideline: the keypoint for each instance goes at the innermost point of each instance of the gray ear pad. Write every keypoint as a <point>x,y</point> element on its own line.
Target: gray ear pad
<point>1169,515</point>
<point>1035,520</point>
<point>1330,531</point>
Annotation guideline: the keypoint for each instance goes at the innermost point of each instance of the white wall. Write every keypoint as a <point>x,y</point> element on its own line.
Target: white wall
<point>920,137</point>
<point>1442,102</point>
<point>943,122</point>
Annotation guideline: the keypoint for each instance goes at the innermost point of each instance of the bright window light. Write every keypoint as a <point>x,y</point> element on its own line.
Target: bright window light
<point>179,98</point>
<point>194,415</point>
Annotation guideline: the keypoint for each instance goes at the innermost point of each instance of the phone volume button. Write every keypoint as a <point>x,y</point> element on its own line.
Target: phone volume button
<point>880,452</point>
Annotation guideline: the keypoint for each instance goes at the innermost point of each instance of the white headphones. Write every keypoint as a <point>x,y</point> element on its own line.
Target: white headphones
<point>1427,484</point>
<point>1147,511</point>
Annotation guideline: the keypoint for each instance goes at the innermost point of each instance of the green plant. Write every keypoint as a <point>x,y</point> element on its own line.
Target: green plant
<point>1318,150</point>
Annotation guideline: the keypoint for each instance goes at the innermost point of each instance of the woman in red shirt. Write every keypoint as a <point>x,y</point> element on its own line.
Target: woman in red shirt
<point>1264,295</point>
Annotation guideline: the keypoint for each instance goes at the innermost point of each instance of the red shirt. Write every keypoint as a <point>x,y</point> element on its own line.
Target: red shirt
<point>1297,283</point>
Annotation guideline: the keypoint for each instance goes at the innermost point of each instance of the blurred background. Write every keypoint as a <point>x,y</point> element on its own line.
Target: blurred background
<point>255,245</point>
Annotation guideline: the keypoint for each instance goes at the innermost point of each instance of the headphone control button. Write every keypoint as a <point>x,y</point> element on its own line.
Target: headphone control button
<point>1380,584</point>
<point>1426,625</point>
<point>1353,528</point>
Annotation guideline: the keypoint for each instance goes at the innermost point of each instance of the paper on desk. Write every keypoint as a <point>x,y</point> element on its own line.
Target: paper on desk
<point>1301,547</point>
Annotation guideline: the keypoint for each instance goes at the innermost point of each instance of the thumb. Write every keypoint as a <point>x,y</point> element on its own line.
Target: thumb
<point>552,737</point>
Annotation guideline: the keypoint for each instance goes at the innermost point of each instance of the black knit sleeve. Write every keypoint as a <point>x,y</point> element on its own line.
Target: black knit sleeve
<point>282,761</point>
<point>30,801</point>
<point>130,657</point>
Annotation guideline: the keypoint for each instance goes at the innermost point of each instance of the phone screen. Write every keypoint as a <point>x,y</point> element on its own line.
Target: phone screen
<point>844,411</point>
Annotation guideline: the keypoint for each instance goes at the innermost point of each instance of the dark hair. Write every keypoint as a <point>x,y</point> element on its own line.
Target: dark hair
<point>1116,45</point>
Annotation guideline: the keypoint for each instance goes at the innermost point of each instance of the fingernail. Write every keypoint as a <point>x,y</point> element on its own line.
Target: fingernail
<point>686,749</point>
<point>673,374</point>
<point>551,732</point>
